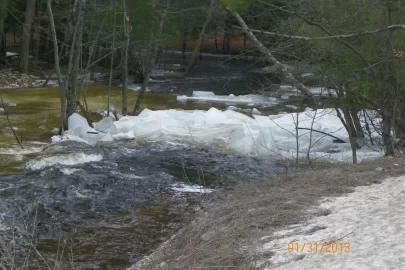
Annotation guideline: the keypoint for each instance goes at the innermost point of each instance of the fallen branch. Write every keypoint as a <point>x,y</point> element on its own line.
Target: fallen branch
<point>338,140</point>
<point>271,59</point>
<point>343,36</point>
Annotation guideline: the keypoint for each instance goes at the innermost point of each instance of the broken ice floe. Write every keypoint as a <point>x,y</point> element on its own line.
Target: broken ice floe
<point>273,135</point>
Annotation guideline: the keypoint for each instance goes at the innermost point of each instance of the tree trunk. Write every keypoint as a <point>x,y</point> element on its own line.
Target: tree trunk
<point>360,137</point>
<point>387,138</point>
<point>26,34</point>
<point>184,46</point>
<point>74,58</point>
<point>150,62</point>
<point>216,44</point>
<point>77,51</point>
<point>111,67</point>
<point>197,46</point>
<point>159,33</point>
<point>57,68</point>
<point>351,130</point>
<point>37,41</point>
<point>127,30</point>
<point>3,59</point>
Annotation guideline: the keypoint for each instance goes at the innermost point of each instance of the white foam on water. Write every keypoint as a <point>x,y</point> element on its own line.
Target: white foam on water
<point>79,195</point>
<point>18,151</point>
<point>68,171</point>
<point>66,160</point>
<point>180,187</point>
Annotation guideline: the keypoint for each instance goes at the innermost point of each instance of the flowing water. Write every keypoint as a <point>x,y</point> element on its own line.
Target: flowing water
<point>105,207</point>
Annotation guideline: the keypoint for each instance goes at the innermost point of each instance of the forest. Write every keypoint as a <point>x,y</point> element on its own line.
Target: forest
<point>112,110</point>
<point>354,45</point>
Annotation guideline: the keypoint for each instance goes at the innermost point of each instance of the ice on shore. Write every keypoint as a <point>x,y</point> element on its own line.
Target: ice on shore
<point>205,96</point>
<point>262,135</point>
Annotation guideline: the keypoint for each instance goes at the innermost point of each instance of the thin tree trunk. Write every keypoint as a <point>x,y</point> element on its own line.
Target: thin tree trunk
<point>3,14</point>
<point>360,137</point>
<point>57,68</point>
<point>111,69</point>
<point>26,34</point>
<point>216,44</point>
<point>351,130</point>
<point>151,57</point>
<point>387,138</point>
<point>159,33</point>
<point>77,50</point>
<point>184,46</point>
<point>38,39</point>
<point>197,46</point>
<point>74,58</point>
<point>127,31</point>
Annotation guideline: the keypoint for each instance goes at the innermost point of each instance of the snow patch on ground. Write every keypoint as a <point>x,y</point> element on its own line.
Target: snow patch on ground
<point>67,160</point>
<point>371,219</point>
<point>180,187</point>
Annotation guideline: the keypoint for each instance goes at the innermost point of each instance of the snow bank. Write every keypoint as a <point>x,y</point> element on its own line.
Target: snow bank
<point>261,135</point>
<point>371,220</point>
<point>67,160</point>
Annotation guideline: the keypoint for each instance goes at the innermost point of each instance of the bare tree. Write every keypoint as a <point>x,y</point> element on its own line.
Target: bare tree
<point>127,31</point>
<point>26,34</point>
<point>57,68</point>
<point>74,58</point>
<point>211,9</point>
<point>152,49</point>
<point>3,38</point>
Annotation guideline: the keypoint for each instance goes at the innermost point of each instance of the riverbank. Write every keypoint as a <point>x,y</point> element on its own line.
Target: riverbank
<point>237,232</point>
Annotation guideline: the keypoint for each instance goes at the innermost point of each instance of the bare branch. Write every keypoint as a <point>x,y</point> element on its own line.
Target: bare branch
<point>343,36</point>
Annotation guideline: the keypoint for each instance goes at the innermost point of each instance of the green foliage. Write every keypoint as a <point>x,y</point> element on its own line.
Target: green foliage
<point>236,5</point>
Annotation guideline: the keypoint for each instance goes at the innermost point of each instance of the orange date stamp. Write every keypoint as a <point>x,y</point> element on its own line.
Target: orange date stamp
<point>319,247</point>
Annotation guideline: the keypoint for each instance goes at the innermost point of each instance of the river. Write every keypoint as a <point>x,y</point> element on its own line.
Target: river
<point>105,207</point>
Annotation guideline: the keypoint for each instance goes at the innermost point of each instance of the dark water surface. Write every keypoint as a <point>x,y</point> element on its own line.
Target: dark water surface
<point>113,211</point>
<point>107,214</point>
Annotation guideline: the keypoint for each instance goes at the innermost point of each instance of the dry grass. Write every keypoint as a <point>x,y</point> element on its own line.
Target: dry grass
<point>226,233</point>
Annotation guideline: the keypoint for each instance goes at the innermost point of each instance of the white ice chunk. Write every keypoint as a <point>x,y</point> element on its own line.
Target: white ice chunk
<point>256,111</point>
<point>124,136</point>
<point>203,94</point>
<point>261,135</point>
<point>107,138</point>
<point>106,125</point>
